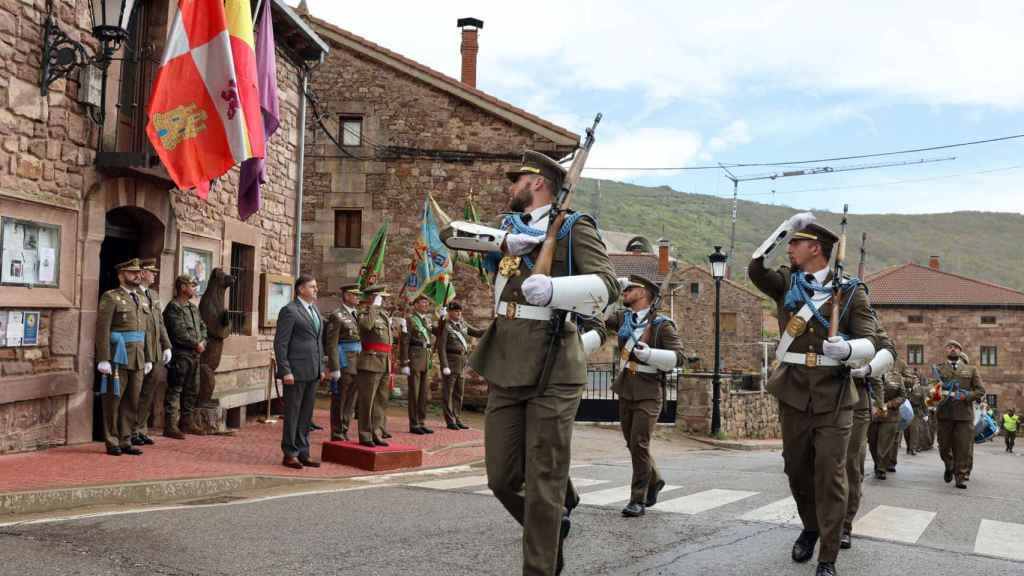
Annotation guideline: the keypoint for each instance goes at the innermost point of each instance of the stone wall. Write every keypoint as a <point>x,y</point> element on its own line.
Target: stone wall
<point>743,414</point>
<point>938,325</point>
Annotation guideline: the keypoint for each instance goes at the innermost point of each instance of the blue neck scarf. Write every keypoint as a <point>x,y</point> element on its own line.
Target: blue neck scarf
<point>801,291</point>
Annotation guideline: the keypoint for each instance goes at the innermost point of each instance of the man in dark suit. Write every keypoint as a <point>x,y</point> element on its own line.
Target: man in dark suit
<point>299,350</point>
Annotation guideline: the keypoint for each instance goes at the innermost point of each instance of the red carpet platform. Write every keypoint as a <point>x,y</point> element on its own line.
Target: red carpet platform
<point>375,459</point>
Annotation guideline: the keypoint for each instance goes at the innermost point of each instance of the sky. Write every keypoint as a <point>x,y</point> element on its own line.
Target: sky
<point>687,83</point>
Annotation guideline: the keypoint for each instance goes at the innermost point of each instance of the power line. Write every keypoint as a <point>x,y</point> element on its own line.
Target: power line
<point>794,162</point>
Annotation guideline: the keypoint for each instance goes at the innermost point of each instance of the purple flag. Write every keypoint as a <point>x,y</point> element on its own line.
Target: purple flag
<point>254,170</point>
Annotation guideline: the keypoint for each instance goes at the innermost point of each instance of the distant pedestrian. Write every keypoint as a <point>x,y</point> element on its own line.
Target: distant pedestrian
<point>299,351</point>
<point>1010,422</point>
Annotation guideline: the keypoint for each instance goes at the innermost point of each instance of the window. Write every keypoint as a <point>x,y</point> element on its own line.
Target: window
<point>988,356</point>
<point>728,322</point>
<point>915,354</point>
<point>348,228</point>
<point>988,320</point>
<point>351,130</point>
<point>915,319</point>
<point>31,253</point>
<point>992,400</point>
<point>243,259</point>
<point>694,288</point>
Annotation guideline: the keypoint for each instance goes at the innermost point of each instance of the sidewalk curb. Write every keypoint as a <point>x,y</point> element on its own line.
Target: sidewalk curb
<point>737,444</point>
<point>14,503</point>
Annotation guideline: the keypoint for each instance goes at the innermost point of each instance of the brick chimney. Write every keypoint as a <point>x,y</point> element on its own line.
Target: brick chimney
<point>663,260</point>
<point>933,263</point>
<point>469,49</point>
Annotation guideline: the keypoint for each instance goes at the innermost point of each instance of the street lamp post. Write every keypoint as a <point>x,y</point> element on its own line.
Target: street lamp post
<point>718,261</point>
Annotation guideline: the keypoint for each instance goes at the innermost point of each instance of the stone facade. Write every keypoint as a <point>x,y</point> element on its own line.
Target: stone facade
<point>744,414</point>
<point>932,327</point>
<point>49,174</point>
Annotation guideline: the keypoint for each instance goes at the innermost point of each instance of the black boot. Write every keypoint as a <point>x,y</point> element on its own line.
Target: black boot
<point>845,540</point>
<point>826,569</point>
<point>633,510</point>
<point>803,548</point>
<point>652,493</point>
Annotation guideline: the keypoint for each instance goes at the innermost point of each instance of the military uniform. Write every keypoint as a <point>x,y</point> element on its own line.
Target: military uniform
<point>885,427</point>
<point>342,343</point>
<point>121,325</point>
<point>816,395</point>
<point>452,350</point>
<point>639,387</point>
<point>955,417</point>
<point>528,433</point>
<point>915,393</point>
<point>186,330</point>
<point>415,351</point>
<point>373,369</point>
<point>157,343</point>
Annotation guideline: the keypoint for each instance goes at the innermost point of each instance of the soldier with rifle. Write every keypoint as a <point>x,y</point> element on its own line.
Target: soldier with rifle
<point>813,384</point>
<point>532,354</point>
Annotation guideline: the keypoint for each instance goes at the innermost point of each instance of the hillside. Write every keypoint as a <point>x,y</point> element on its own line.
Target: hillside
<point>983,245</point>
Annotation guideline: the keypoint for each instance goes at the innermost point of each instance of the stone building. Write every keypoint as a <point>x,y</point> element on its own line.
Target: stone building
<point>77,196</point>
<point>923,306</point>
<point>398,130</point>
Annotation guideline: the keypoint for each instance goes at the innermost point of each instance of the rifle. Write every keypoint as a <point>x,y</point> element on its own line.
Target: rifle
<point>843,372</point>
<point>863,254</point>
<point>559,208</point>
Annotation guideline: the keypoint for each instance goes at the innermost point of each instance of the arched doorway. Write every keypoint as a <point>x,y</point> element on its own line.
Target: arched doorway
<point>130,232</point>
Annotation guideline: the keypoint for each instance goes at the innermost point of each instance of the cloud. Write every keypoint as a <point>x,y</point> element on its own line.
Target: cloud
<point>734,134</point>
<point>643,147</point>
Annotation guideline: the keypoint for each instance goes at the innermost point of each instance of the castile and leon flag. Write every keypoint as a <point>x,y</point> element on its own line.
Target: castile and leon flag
<point>204,112</point>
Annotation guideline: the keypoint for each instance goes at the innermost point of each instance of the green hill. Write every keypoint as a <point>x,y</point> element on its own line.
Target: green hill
<point>982,245</point>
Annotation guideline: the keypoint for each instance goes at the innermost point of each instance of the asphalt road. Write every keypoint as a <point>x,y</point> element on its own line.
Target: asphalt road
<point>727,516</point>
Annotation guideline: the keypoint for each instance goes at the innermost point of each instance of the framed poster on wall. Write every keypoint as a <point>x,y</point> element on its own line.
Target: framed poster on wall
<point>198,263</point>
<point>276,290</point>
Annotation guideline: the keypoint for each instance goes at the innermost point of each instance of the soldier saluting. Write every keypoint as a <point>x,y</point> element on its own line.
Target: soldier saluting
<point>342,344</point>
<point>816,394</point>
<point>374,367</point>
<point>121,324</point>
<point>536,366</point>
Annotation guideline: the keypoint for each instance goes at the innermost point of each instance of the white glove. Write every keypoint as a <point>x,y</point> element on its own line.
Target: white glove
<point>836,348</point>
<point>406,371</point>
<point>147,368</point>
<point>623,283</point>
<point>642,352</point>
<point>167,357</point>
<point>443,313</point>
<point>520,244</point>
<point>446,371</point>
<point>336,374</point>
<point>801,220</point>
<point>104,367</point>
<point>862,372</point>
<point>378,300</point>
<point>537,289</point>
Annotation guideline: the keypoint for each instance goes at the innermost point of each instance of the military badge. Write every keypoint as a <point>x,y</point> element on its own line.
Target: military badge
<point>796,326</point>
<point>509,266</point>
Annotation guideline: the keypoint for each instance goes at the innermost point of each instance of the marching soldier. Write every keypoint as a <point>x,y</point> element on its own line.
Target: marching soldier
<point>415,352</point>
<point>121,324</point>
<point>452,349</point>
<point>913,433</point>
<point>961,388</point>
<point>885,427</point>
<point>158,350</point>
<point>650,348</point>
<point>373,368</point>
<point>816,394</point>
<point>342,343</point>
<point>529,422</point>
<point>862,411</point>
<point>187,333</point>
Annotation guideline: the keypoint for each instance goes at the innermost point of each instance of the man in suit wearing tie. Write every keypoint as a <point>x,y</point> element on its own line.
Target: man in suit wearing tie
<point>299,350</point>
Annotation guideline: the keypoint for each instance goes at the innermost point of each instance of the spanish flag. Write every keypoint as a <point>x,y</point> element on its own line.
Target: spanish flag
<point>204,111</point>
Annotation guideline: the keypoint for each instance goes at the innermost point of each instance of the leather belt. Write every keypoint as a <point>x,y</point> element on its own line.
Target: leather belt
<point>419,345</point>
<point>811,360</point>
<point>511,310</point>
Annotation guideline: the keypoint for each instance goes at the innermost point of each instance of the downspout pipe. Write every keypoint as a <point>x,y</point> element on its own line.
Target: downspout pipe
<point>300,173</point>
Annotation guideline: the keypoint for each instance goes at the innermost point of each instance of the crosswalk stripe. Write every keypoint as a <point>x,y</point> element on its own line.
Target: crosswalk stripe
<point>578,482</point>
<point>453,483</point>
<point>703,501</point>
<point>1001,539</point>
<point>894,523</point>
<point>605,497</point>
<point>779,512</point>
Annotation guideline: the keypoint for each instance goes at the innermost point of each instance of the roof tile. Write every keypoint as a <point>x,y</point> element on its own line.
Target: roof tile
<point>911,284</point>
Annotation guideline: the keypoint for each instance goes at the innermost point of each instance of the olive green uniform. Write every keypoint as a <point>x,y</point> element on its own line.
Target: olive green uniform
<point>956,418</point>
<point>856,450</point>
<point>885,427</point>
<point>415,349</point>
<point>156,342</point>
<point>186,330</point>
<point>640,396</point>
<point>915,393</point>
<point>342,328</point>
<point>528,431</point>
<point>121,311</point>
<point>816,410</point>
<point>373,368</point>
<point>452,349</point>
